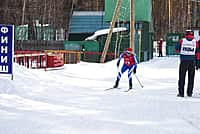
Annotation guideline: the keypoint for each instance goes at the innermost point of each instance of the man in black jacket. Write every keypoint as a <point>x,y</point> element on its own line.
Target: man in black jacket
<point>187,47</point>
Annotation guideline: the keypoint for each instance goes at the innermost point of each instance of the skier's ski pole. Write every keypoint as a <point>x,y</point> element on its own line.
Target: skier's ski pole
<point>139,81</point>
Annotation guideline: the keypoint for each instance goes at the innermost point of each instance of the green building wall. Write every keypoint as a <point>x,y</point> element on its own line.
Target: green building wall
<point>142,10</point>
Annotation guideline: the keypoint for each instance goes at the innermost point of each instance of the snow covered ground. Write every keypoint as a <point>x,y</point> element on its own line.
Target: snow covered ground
<point>73,100</point>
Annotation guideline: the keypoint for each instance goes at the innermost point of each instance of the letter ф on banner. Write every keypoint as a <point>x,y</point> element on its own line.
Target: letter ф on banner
<point>6,49</point>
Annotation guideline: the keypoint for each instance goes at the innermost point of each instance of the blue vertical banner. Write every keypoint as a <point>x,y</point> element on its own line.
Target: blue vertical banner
<point>6,49</point>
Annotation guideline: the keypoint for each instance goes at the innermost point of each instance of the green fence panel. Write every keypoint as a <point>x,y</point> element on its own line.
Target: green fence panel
<point>41,33</point>
<point>90,46</point>
<point>21,32</point>
<point>170,50</point>
<point>171,41</point>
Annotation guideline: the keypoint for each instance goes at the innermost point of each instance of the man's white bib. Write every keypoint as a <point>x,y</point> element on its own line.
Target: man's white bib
<point>188,47</point>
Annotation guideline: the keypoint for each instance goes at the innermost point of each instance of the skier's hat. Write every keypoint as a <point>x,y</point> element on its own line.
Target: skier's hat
<point>129,49</point>
<point>188,32</point>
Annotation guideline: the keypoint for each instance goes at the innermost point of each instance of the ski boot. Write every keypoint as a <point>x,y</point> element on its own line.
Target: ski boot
<point>116,84</point>
<point>130,85</point>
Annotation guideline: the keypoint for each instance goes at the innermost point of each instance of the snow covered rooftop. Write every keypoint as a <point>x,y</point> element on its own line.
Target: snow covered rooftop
<point>105,31</point>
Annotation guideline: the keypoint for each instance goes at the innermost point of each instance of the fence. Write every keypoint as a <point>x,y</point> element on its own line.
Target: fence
<point>46,59</point>
<point>69,56</point>
<point>31,59</point>
<point>95,56</point>
<point>56,58</point>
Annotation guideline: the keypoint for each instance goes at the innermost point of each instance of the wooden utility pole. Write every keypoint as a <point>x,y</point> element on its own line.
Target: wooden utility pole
<point>116,13</point>
<point>23,11</point>
<point>169,19</point>
<point>194,17</point>
<point>189,14</point>
<point>132,24</point>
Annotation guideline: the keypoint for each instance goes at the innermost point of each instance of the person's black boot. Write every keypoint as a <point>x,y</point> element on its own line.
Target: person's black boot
<point>116,84</point>
<point>180,95</point>
<point>130,85</point>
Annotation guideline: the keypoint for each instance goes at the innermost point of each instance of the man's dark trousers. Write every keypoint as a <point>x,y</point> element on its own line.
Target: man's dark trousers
<point>183,68</point>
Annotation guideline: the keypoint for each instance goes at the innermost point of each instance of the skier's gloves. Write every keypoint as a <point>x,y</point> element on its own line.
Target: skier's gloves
<point>134,71</point>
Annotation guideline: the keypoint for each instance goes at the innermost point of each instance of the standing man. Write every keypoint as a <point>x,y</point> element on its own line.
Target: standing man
<point>130,64</point>
<point>187,47</point>
<point>160,44</point>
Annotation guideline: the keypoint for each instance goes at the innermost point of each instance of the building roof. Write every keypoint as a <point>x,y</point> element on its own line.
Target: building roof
<point>87,22</point>
<point>105,31</point>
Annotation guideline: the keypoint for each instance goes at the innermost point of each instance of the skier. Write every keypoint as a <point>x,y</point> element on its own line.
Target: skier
<point>130,64</point>
<point>187,47</point>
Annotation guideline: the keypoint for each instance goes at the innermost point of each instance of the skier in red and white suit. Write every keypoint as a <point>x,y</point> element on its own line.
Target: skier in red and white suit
<point>130,64</point>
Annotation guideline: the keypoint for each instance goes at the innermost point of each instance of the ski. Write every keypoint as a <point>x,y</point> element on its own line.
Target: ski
<point>118,88</point>
<point>128,90</point>
<point>111,88</point>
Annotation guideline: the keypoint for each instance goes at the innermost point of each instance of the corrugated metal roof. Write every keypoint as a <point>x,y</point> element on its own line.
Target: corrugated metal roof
<point>87,22</point>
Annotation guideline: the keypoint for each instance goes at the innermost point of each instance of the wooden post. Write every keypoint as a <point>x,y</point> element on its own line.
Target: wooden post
<point>194,17</point>
<point>169,19</point>
<point>132,24</point>
<point>23,11</point>
<point>116,13</point>
<point>189,14</point>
